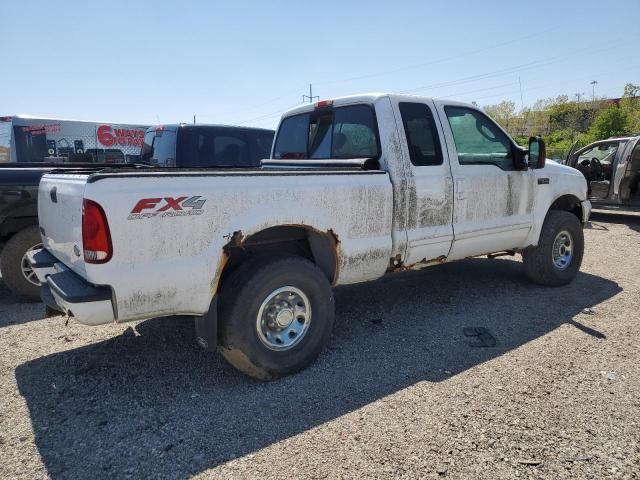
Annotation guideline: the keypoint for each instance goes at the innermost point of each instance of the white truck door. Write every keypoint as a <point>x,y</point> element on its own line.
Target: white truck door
<point>429,190</point>
<point>493,202</point>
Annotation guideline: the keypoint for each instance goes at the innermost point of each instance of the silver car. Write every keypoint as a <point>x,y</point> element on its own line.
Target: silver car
<point>612,170</point>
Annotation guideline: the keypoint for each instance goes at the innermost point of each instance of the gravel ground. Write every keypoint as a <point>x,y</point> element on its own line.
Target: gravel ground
<point>400,392</point>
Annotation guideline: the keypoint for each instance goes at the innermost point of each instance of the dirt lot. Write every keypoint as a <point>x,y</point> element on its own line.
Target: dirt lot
<point>401,392</point>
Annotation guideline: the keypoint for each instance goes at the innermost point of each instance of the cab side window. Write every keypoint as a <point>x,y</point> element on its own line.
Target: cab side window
<point>421,133</point>
<point>478,140</point>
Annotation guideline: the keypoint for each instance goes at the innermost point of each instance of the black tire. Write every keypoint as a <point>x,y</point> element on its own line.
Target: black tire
<point>242,296</point>
<point>11,263</point>
<point>538,261</point>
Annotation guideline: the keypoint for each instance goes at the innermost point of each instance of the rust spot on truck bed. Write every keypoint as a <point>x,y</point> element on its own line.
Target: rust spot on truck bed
<point>235,240</point>
<point>238,240</point>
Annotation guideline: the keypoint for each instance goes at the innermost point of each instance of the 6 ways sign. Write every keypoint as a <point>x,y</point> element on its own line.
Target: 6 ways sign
<point>110,136</point>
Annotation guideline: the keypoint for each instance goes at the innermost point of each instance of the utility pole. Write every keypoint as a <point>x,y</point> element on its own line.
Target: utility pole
<point>310,96</point>
<point>194,118</point>
<point>521,100</point>
<point>593,90</point>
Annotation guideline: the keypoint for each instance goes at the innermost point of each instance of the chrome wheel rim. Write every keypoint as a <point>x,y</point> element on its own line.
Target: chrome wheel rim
<point>284,318</point>
<point>562,252</point>
<point>27,272</point>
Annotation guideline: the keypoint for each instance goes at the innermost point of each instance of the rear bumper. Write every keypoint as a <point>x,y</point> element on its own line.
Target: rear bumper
<point>67,292</point>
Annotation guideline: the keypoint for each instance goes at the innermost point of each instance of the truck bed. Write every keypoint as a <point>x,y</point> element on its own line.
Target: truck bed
<point>182,245</point>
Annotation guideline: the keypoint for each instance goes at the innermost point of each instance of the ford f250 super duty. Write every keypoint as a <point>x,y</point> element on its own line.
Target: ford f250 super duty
<point>356,187</point>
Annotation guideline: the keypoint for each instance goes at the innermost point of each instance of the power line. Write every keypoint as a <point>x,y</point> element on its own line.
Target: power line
<point>440,60</point>
<point>506,71</point>
<point>458,95</point>
<point>535,87</point>
<point>470,79</point>
<point>479,90</point>
<point>400,69</point>
<point>262,104</point>
<point>280,111</point>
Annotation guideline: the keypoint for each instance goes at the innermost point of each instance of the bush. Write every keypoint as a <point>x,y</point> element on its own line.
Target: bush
<point>610,122</point>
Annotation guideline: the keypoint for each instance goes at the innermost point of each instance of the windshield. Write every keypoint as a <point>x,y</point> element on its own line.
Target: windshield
<point>605,153</point>
<point>340,133</point>
<point>5,142</point>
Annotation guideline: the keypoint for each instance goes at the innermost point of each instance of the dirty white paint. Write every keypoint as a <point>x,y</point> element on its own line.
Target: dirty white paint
<point>166,265</point>
<point>405,216</point>
<point>563,180</point>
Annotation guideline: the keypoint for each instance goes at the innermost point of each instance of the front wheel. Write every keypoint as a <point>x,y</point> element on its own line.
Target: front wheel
<point>276,316</point>
<point>557,258</point>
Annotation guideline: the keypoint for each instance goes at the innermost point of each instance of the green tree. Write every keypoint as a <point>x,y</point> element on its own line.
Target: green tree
<point>610,122</point>
<point>630,105</point>
<point>503,113</point>
<point>631,90</point>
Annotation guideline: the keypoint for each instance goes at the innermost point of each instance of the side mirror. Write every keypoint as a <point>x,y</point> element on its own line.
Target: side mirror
<point>537,153</point>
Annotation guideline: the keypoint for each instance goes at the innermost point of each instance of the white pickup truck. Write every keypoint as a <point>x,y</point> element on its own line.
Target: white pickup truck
<point>356,187</point>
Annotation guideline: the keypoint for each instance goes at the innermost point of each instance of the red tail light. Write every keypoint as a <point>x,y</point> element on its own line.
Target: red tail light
<point>96,239</point>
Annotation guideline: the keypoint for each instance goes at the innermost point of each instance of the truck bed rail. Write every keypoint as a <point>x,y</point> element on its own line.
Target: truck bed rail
<point>361,163</point>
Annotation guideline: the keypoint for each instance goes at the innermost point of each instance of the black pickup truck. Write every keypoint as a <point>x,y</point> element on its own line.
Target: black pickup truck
<point>181,146</point>
<point>19,221</point>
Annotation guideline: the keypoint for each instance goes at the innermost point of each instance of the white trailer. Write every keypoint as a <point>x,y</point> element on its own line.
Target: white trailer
<point>26,139</point>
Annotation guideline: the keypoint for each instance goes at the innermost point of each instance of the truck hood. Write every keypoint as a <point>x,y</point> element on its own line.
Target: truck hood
<point>565,176</point>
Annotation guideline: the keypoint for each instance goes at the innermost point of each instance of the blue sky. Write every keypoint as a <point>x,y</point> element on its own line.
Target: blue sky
<point>247,61</point>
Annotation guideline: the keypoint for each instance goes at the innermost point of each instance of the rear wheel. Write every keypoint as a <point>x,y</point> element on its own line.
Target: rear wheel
<point>276,316</point>
<point>558,256</point>
<point>17,274</point>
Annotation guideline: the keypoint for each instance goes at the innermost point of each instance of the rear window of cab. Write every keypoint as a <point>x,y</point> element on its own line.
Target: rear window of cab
<point>337,133</point>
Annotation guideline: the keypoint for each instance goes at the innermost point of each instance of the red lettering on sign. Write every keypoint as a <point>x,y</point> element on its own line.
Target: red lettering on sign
<point>105,137</point>
<point>108,136</point>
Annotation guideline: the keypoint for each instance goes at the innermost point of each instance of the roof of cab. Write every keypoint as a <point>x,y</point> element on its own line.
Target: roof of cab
<point>349,99</point>
<point>368,98</point>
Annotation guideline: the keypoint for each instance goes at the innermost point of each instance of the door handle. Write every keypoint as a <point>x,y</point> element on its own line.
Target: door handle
<point>460,188</point>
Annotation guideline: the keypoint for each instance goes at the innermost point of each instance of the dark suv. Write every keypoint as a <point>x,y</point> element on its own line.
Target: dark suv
<point>217,146</point>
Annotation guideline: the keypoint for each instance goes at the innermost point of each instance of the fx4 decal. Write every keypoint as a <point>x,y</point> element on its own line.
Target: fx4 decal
<point>167,207</point>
